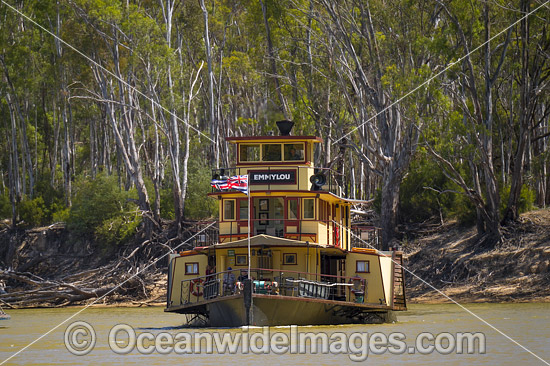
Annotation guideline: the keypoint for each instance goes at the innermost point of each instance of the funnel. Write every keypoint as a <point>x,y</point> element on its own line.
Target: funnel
<point>285,127</point>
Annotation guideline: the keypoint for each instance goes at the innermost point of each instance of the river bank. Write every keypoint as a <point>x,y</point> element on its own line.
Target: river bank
<point>50,268</point>
<point>451,259</point>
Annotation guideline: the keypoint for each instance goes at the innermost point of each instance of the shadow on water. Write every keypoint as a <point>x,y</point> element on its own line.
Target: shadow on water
<point>185,326</point>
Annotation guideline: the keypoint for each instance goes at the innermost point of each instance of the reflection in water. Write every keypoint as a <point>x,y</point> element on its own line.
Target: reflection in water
<point>526,323</point>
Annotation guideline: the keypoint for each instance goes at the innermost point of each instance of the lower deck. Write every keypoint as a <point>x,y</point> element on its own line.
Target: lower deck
<point>277,310</point>
<point>319,284</point>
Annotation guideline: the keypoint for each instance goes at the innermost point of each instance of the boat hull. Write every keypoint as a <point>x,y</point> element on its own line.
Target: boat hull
<point>268,310</point>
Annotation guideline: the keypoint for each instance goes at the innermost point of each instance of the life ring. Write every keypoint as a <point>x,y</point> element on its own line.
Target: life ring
<point>240,286</point>
<point>358,284</point>
<point>337,236</point>
<point>197,286</point>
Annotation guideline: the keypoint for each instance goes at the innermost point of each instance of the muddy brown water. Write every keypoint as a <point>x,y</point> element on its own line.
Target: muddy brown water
<point>527,324</point>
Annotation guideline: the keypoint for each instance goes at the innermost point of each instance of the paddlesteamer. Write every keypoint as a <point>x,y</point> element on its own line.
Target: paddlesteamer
<point>284,250</point>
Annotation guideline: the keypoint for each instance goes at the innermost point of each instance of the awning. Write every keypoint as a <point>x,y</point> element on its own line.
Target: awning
<point>259,240</point>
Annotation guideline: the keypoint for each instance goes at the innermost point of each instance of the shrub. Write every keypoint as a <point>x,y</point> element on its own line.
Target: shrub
<point>526,199</point>
<point>5,206</point>
<point>198,205</point>
<point>101,206</point>
<point>118,229</point>
<point>419,197</point>
<point>32,212</point>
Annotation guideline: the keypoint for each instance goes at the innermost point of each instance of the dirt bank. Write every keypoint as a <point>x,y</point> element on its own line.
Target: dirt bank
<point>49,267</point>
<point>451,259</point>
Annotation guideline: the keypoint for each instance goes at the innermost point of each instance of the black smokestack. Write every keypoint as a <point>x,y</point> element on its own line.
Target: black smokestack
<point>285,127</point>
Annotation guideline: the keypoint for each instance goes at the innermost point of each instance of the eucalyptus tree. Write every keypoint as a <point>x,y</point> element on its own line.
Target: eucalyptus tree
<point>118,85</point>
<point>378,57</point>
<point>471,87</point>
<point>531,49</point>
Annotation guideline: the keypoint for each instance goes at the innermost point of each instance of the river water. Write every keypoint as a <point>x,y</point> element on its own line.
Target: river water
<point>527,324</point>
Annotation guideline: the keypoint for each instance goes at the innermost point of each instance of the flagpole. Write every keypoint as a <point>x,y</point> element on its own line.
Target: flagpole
<point>249,210</point>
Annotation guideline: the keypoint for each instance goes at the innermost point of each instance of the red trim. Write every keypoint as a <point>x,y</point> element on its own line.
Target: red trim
<point>314,193</point>
<point>292,163</point>
<point>281,138</point>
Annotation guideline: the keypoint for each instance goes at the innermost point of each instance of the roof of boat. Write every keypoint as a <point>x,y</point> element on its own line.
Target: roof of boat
<point>235,139</point>
<point>262,239</point>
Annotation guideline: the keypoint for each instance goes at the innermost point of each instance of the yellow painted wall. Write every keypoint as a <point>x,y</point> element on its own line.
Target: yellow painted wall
<point>223,261</point>
<point>322,233</point>
<point>178,274</point>
<point>375,289</point>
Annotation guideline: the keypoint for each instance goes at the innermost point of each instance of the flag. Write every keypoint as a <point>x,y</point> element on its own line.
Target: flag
<point>238,182</point>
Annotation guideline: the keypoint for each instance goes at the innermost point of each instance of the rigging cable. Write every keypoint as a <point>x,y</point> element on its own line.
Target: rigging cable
<point>440,73</point>
<point>449,298</point>
<point>106,70</point>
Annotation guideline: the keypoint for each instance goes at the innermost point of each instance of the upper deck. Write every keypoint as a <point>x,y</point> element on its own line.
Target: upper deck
<point>282,163</point>
<point>288,197</point>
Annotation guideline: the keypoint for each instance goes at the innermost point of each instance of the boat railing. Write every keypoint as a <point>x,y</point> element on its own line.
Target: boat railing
<point>276,283</point>
<point>336,183</point>
<point>203,233</point>
<point>365,236</point>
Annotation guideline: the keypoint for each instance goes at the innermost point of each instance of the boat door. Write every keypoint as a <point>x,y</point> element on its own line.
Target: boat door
<point>292,216</point>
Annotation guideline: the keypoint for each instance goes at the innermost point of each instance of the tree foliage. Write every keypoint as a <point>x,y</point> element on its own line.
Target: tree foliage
<point>126,130</point>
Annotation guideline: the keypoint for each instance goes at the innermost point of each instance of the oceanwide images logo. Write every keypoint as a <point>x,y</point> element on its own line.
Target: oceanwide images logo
<point>80,339</point>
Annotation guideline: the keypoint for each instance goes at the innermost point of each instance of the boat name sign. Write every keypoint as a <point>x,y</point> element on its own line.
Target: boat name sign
<point>272,177</point>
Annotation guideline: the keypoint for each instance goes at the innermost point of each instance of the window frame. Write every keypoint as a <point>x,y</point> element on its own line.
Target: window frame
<point>259,145</point>
<point>245,259</point>
<point>224,201</point>
<point>294,143</point>
<point>289,209</point>
<point>245,201</point>
<point>304,208</point>
<point>367,266</point>
<point>287,263</point>
<point>194,264</point>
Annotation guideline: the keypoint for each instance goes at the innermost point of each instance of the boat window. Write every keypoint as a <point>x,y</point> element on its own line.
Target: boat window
<point>293,209</point>
<point>294,152</point>
<point>290,258</point>
<point>241,260</point>
<point>309,208</point>
<point>229,209</point>
<point>278,204</point>
<point>362,267</point>
<point>271,152</point>
<point>243,210</point>
<point>249,152</point>
<point>191,268</point>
